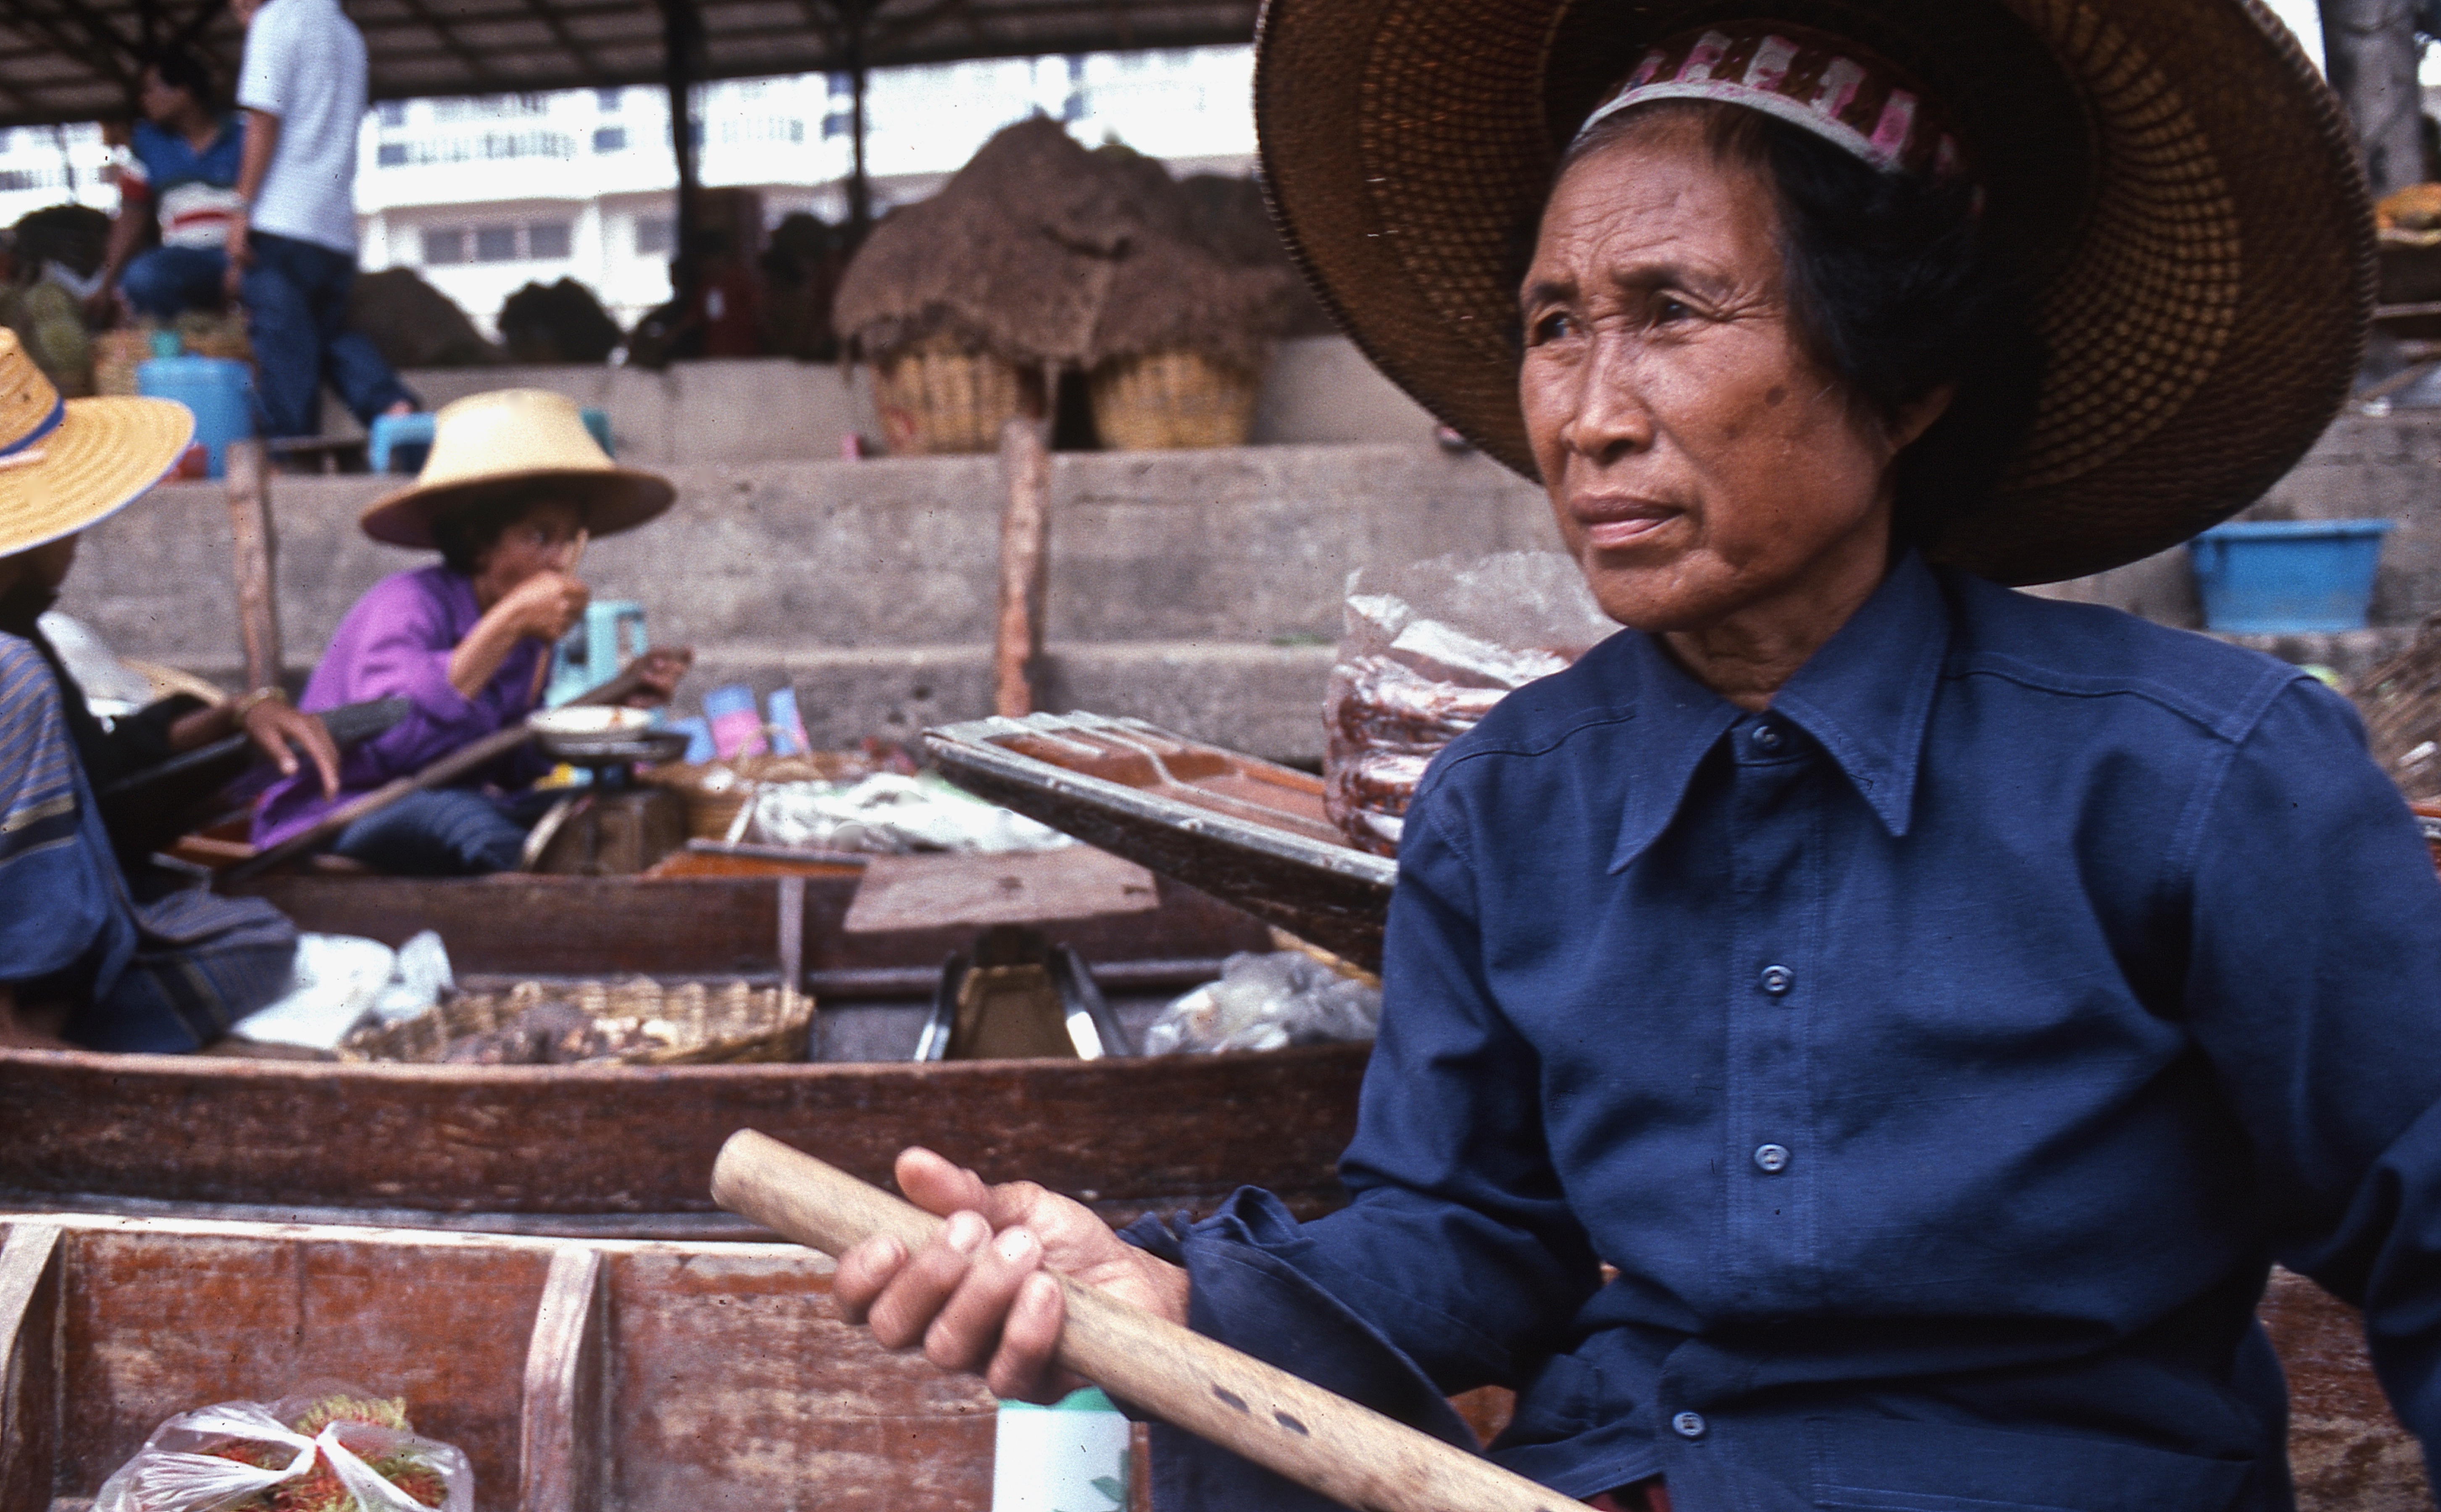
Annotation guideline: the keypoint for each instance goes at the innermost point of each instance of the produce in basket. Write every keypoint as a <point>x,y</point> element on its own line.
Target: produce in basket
<point>330,1450</point>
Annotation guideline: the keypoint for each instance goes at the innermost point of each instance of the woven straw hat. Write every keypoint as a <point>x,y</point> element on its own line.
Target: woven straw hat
<point>515,441</point>
<point>67,463</point>
<point>2177,179</point>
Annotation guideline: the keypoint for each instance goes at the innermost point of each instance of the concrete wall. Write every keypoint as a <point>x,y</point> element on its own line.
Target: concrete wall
<point>1199,589</point>
<point>1319,389</point>
<point>2364,467</point>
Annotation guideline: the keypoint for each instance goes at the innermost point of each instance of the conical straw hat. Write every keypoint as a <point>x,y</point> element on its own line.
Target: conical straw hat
<point>521,441</point>
<point>2178,183</point>
<point>67,463</point>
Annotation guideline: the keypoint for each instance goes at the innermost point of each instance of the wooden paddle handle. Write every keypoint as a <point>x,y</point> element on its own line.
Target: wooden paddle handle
<point>1293,1427</point>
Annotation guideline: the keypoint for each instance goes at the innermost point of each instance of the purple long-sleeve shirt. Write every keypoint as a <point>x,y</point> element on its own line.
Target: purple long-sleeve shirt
<point>396,643</point>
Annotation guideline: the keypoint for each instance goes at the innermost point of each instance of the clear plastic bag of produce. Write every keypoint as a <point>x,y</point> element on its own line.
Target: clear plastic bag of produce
<point>1427,651</point>
<point>1267,1001</point>
<point>329,1450</point>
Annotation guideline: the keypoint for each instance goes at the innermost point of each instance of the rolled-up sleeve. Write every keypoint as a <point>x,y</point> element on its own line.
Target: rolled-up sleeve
<point>401,649</point>
<point>2315,987</point>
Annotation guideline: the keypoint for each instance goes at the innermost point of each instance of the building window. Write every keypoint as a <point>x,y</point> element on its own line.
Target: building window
<point>838,123</point>
<point>444,247</point>
<point>547,240</point>
<point>609,138</point>
<point>607,100</point>
<point>390,155</point>
<point>655,235</point>
<point>496,244</point>
<point>841,85</point>
<point>391,113</point>
<point>796,131</point>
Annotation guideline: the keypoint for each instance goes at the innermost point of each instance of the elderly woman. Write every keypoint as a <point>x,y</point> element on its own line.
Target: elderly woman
<point>513,488</point>
<point>1937,1006</point>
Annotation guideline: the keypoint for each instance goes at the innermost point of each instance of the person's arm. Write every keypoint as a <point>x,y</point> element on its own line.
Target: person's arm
<point>2314,986</point>
<point>254,163</point>
<point>126,234</point>
<point>543,607</point>
<point>277,728</point>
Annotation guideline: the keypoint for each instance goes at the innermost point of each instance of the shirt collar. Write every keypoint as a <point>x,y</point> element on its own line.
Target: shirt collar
<point>1864,697</point>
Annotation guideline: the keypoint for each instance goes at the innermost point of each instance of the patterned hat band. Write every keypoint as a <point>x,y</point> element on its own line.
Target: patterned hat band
<point>1821,83</point>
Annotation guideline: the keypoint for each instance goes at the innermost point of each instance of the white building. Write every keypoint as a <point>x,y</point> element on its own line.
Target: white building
<point>483,195</point>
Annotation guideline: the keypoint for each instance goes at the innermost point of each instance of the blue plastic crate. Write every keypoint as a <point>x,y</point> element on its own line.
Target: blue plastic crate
<point>399,443</point>
<point>2287,577</point>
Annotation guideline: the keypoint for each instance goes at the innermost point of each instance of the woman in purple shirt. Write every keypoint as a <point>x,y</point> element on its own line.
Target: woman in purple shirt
<point>514,487</point>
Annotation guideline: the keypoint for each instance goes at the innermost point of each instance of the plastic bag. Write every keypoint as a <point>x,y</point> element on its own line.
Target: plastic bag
<point>1267,1002</point>
<point>1428,650</point>
<point>341,980</point>
<point>330,1450</point>
<point>890,815</point>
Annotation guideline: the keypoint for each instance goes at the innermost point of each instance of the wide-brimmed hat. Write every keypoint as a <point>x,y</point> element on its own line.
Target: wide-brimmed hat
<point>65,463</point>
<point>2174,177</point>
<point>509,443</point>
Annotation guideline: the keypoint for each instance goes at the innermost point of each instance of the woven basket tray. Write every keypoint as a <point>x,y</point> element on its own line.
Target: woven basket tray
<point>728,1025</point>
<point>1167,400</point>
<point>935,399</point>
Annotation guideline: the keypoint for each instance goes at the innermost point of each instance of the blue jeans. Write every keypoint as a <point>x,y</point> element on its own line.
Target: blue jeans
<point>167,281</point>
<point>297,313</point>
<point>442,831</point>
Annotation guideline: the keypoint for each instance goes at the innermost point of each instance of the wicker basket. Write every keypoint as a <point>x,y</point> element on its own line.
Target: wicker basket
<point>208,333</point>
<point>1167,400</point>
<point>729,1024</point>
<point>935,399</point>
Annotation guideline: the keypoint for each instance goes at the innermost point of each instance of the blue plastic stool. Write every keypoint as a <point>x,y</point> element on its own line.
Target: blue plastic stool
<point>400,444</point>
<point>218,391</point>
<point>2287,577</point>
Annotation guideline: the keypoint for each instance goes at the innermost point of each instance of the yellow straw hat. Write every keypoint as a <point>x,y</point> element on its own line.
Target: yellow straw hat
<point>515,441</point>
<point>67,463</point>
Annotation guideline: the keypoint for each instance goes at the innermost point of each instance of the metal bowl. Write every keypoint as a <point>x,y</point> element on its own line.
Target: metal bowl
<point>608,748</point>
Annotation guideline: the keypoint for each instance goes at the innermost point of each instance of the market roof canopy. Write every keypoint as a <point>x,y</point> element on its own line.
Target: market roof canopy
<point>75,60</point>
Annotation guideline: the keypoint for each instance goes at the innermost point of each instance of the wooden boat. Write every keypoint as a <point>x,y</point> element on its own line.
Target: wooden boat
<point>620,1150</point>
<point>1249,832</point>
<point>631,1375</point>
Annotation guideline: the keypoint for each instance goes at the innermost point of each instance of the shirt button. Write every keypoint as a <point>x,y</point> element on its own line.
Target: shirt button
<point>1767,737</point>
<point>1778,980</point>
<point>1688,1425</point>
<point>1771,1159</point>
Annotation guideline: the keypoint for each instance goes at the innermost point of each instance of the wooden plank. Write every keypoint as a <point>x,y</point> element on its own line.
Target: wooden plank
<point>561,1436</point>
<point>1025,567</point>
<point>1131,1133</point>
<point>159,1320</point>
<point>255,546</point>
<point>738,1385</point>
<point>2345,1448</point>
<point>790,902</point>
<point>908,894</point>
<point>31,1264</point>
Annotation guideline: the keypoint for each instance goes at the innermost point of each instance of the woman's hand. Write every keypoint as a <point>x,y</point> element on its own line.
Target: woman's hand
<point>977,1298</point>
<point>545,606</point>
<point>658,670</point>
<point>279,732</point>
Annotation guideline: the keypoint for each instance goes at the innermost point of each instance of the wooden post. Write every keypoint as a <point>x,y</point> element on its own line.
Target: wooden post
<point>1025,567</point>
<point>253,548</point>
<point>561,1452</point>
<point>30,1268</point>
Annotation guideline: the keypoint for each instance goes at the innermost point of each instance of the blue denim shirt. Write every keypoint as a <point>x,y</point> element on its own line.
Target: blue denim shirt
<point>1941,1058</point>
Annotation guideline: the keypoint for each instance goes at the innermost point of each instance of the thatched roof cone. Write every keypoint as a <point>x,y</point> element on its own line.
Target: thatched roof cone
<point>1039,251</point>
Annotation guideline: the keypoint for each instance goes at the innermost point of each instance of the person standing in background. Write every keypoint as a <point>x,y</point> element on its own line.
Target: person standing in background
<point>291,245</point>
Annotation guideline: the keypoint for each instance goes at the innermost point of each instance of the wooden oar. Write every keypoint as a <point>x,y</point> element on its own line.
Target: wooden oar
<point>440,774</point>
<point>1293,1427</point>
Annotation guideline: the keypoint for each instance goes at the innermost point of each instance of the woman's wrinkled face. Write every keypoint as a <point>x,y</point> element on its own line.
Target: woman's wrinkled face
<point>1700,462</point>
<point>543,539</point>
